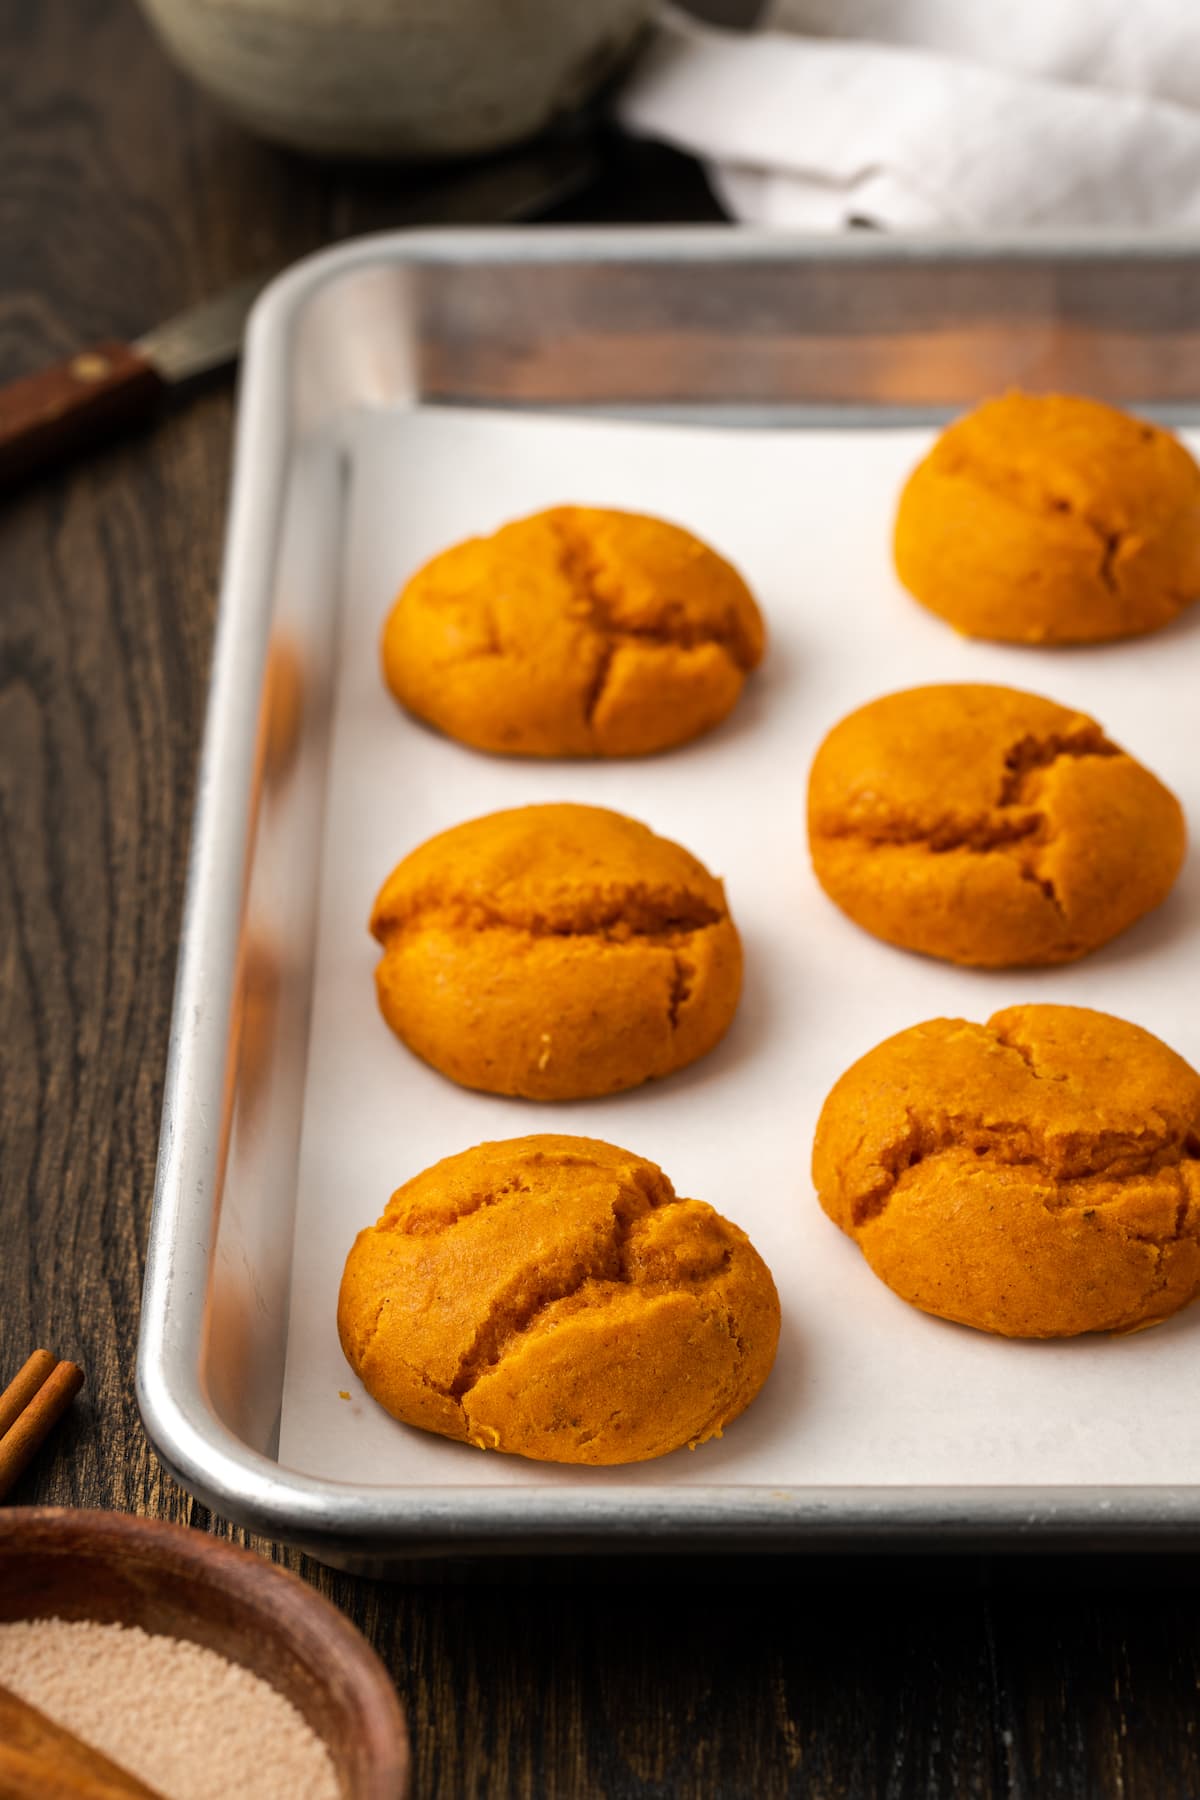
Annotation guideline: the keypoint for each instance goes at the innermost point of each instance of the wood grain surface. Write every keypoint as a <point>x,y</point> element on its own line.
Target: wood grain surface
<point>123,197</point>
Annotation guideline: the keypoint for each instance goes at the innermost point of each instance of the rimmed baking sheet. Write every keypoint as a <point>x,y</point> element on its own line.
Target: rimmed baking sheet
<point>364,444</point>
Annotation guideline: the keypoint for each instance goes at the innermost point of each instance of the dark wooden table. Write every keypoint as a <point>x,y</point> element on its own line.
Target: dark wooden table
<point>123,197</point>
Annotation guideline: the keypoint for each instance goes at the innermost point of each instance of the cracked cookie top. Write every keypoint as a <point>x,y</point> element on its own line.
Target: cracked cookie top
<point>1049,519</point>
<point>555,952</point>
<point>1037,1176</point>
<point>576,632</point>
<point>988,826</point>
<point>553,1297</point>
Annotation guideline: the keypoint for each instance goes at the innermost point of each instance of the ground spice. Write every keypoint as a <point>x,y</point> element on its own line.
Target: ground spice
<point>181,1717</point>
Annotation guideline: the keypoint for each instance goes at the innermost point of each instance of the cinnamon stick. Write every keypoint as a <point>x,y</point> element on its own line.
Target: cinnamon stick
<point>23,1386</point>
<point>38,1417</point>
<point>42,1760</point>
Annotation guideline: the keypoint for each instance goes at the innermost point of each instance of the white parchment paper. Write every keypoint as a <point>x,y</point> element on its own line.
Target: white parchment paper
<point>865,1389</point>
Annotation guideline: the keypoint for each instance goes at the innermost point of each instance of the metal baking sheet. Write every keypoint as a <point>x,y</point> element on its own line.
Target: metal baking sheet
<point>362,366</point>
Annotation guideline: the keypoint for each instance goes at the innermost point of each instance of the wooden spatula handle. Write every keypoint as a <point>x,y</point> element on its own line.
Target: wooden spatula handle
<point>61,410</point>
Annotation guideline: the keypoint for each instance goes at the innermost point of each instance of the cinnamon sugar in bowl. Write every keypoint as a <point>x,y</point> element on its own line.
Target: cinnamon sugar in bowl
<point>200,1667</point>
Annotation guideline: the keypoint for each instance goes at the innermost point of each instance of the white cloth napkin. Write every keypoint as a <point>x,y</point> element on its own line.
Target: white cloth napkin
<point>937,114</point>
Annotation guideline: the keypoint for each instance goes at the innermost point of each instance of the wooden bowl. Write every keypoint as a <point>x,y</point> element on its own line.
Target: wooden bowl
<point>56,1562</point>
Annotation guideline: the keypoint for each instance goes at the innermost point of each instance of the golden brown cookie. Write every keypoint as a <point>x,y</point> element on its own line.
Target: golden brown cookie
<point>1036,1176</point>
<point>1047,519</point>
<point>554,1298</point>
<point>577,632</point>
<point>988,826</point>
<point>555,952</point>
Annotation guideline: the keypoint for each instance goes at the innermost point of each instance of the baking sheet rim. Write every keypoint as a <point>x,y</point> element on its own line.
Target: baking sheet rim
<point>332,1517</point>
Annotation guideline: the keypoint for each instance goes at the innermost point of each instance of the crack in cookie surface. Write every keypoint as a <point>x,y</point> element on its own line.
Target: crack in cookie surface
<point>683,975</point>
<point>1069,1160</point>
<point>513,1313</point>
<point>1038,497</point>
<point>1022,821</point>
<point>988,830</point>
<point>1031,754</point>
<point>581,568</point>
<point>612,914</point>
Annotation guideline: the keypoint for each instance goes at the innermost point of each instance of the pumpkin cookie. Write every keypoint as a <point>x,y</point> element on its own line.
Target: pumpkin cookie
<point>1047,519</point>
<point>554,1298</point>
<point>577,632</point>
<point>1037,1176</point>
<point>555,952</point>
<point>988,826</point>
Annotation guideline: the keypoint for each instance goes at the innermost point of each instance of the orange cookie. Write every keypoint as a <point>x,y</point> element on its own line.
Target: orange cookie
<point>555,952</point>
<point>988,826</point>
<point>1038,1176</point>
<point>553,1297</point>
<point>577,632</point>
<point>1047,519</point>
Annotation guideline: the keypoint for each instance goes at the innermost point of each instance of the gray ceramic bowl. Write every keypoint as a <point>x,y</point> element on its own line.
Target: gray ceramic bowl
<point>407,78</point>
